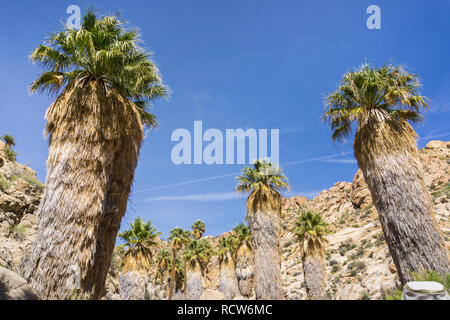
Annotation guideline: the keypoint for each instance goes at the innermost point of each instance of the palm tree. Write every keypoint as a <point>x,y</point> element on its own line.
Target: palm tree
<point>382,102</point>
<point>196,256</point>
<point>105,82</point>
<point>264,182</point>
<point>188,237</point>
<point>198,229</point>
<point>310,230</point>
<point>179,273</point>
<point>226,251</point>
<point>8,140</point>
<point>244,259</point>
<point>163,261</point>
<point>177,239</point>
<point>138,242</point>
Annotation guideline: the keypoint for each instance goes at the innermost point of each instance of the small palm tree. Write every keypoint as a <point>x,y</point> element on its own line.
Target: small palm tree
<point>244,259</point>
<point>8,140</point>
<point>196,256</point>
<point>226,251</point>
<point>163,261</point>
<point>105,82</point>
<point>179,273</point>
<point>177,239</point>
<point>382,102</point>
<point>138,242</point>
<point>198,229</point>
<point>310,230</point>
<point>265,182</point>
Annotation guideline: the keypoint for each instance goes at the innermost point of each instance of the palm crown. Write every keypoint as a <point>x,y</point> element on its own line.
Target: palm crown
<point>103,51</point>
<point>198,252</point>
<point>226,248</point>
<point>242,233</point>
<point>310,230</point>
<point>198,229</point>
<point>177,238</point>
<point>9,140</point>
<point>387,92</point>
<point>264,174</point>
<point>140,233</point>
<point>163,259</point>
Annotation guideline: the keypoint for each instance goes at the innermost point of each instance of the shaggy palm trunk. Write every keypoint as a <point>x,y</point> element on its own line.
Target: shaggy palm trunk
<point>172,276</point>
<point>244,269</point>
<point>228,284</point>
<point>264,210</point>
<point>388,157</point>
<point>315,276</point>
<point>194,281</point>
<point>94,143</point>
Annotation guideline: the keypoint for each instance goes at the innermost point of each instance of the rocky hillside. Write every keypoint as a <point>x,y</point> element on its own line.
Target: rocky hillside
<point>358,263</point>
<point>20,193</point>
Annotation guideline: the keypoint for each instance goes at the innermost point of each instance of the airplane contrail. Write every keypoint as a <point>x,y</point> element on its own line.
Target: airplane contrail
<point>237,173</point>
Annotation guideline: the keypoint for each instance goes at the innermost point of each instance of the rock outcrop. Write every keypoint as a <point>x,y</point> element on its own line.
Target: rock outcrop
<point>20,194</point>
<point>13,287</point>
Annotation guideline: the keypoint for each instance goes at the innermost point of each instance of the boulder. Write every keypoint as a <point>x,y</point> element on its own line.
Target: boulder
<point>132,286</point>
<point>210,294</point>
<point>13,287</point>
<point>424,290</point>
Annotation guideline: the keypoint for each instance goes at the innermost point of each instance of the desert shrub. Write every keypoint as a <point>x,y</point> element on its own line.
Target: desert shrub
<point>18,232</point>
<point>333,262</point>
<point>356,267</point>
<point>4,183</point>
<point>364,296</point>
<point>30,179</point>
<point>335,268</point>
<point>10,154</point>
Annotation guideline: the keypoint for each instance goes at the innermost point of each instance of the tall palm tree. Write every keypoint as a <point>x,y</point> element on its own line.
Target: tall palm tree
<point>226,251</point>
<point>244,259</point>
<point>198,229</point>
<point>264,182</point>
<point>382,102</point>
<point>105,82</point>
<point>196,256</point>
<point>177,238</point>
<point>310,230</point>
<point>138,242</point>
<point>8,140</point>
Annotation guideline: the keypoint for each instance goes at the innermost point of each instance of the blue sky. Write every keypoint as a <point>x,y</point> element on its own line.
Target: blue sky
<point>236,64</point>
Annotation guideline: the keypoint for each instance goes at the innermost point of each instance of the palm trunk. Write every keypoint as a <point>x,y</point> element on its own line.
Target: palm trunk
<point>315,276</point>
<point>194,281</point>
<point>172,276</point>
<point>83,204</point>
<point>228,284</point>
<point>184,281</point>
<point>388,157</point>
<point>264,209</point>
<point>244,270</point>
<point>122,176</point>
